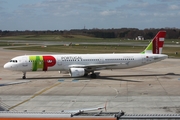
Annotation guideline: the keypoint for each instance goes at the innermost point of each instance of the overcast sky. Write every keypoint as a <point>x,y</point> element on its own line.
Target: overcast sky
<point>75,14</point>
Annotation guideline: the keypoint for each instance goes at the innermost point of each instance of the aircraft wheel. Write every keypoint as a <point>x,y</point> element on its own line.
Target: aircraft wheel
<point>86,74</point>
<point>24,75</point>
<point>93,75</point>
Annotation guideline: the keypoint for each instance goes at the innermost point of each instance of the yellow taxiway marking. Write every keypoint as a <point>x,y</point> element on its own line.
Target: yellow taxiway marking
<point>39,93</point>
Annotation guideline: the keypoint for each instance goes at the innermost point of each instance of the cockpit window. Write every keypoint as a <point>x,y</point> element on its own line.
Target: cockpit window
<point>15,61</point>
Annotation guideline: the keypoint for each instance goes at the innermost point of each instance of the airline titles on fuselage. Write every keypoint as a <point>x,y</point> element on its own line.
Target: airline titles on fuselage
<point>71,58</point>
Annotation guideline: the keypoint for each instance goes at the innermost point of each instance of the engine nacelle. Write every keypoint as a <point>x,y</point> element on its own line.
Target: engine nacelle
<point>77,72</point>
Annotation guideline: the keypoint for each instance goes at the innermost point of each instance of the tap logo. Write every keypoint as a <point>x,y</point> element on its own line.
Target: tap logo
<point>41,62</point>
<point>49,61</point>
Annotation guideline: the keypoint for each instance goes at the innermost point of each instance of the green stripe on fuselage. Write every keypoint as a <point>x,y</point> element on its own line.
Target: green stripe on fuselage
<point>37,62</point>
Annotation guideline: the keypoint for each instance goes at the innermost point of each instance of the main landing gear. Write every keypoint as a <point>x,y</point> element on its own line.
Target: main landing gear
<point>24,75</point>
<point>86,74</point>
<point>93,75</point>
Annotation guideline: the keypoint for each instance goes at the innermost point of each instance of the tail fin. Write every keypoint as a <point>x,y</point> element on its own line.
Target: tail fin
<point>156,45</point>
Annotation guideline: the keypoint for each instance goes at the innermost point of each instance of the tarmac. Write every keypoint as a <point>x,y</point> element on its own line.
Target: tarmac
<point>150,89</point>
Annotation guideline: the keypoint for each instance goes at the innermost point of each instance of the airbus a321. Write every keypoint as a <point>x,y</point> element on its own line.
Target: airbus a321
<point>79,65</point>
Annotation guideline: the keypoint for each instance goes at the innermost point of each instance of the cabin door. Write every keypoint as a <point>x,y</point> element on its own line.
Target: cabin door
<point>101,60</point>
<point>59,62</point>
<point>24,61</point>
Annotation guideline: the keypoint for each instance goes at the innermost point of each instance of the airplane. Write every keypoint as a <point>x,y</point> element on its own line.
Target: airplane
<point>79,65</point>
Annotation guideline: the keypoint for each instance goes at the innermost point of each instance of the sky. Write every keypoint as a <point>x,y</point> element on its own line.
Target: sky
<point>77,14</point>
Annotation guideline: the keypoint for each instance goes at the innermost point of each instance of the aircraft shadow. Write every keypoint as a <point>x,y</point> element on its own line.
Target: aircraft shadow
<point>113,77</point>
<point>104,77</point>
<point>81,78</point>
<point>43,78</point>
<point>117,79</point>
<point>145,75</point>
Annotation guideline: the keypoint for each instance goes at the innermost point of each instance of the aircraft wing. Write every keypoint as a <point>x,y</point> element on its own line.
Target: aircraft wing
<point>97,65</point>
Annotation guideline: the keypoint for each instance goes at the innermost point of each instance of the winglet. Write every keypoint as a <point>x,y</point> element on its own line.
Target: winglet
<point>156,45</point>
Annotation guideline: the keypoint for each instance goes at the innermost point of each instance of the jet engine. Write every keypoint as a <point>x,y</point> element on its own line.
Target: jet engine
<point>77,72</point>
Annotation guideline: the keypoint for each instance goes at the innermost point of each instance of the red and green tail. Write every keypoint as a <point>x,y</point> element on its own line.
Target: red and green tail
<point>156,45</point>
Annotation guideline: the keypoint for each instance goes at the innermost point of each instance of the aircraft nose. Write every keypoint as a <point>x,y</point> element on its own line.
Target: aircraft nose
<point>7,66</point>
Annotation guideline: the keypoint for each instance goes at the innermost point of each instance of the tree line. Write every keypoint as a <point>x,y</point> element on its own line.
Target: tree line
<point>126,33</point>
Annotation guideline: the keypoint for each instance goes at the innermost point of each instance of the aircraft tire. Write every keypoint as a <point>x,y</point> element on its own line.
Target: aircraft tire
<point>86,74</point>
<point>93,75</point>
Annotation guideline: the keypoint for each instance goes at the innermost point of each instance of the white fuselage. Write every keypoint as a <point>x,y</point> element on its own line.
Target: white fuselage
<point>95,61</point>
<point>82,64</point>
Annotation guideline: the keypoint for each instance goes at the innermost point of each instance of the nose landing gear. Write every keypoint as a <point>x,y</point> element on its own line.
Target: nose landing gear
<point>24,75</point>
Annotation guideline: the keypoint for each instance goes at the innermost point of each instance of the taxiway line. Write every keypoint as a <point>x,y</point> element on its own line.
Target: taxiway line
<point>39,93</point>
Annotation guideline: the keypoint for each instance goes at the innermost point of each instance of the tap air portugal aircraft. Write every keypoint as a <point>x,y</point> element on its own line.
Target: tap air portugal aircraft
<point>83,64</point>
